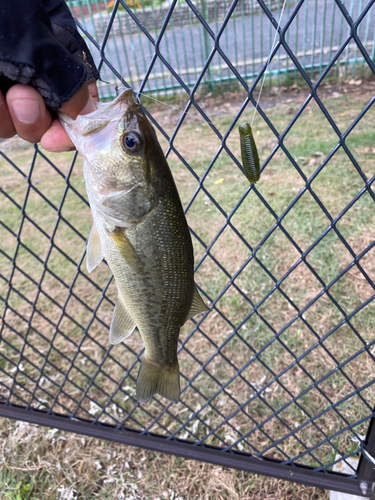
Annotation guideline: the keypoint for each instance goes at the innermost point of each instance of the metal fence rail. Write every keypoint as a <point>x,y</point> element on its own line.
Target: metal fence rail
<point>277,379</point>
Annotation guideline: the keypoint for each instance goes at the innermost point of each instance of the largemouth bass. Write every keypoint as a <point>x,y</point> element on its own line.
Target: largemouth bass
<point>141,231</point>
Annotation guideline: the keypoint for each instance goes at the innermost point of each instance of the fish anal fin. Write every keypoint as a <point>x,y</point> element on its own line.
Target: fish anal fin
<point>122,324</point>
<point>197,306</point>
<point>154,379</point>
<point>94,251</point>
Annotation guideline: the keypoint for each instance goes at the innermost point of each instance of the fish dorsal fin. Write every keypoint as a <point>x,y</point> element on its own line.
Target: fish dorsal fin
<point>94,252</point>
<point>122,324</point>
<point>197,306</point>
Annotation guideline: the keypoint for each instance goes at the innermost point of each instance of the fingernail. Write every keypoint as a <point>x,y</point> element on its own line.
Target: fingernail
<point>26,110</point>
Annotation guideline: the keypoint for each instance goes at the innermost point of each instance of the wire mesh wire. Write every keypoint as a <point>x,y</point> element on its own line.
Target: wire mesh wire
<point>283,365</point>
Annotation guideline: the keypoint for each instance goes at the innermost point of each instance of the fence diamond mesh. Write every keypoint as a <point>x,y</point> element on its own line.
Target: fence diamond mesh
<point>282,368</point>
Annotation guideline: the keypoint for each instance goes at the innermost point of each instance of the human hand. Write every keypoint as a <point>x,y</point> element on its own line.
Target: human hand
<point>23,112</point>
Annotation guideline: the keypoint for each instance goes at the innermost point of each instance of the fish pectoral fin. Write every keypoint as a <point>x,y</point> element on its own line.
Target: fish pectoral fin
<point>94,251</point>
<point>197,306</point>
<point>122,324</point>
<point>126,248</point>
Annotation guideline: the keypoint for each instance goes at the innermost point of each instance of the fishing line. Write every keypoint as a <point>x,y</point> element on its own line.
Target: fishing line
<point>258,325</point>
<point>173,107</point>
<point>162,102</point>
<point>117,88</point>
<point>268,61</point>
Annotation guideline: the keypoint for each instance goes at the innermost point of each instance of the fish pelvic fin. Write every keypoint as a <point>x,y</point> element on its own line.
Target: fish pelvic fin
<point>153,379</point>
<point>122,324</point>
<point>197,306</point>
<point>94,253</point>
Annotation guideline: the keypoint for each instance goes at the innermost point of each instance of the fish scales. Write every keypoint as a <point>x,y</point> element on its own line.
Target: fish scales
<point>141,230</point>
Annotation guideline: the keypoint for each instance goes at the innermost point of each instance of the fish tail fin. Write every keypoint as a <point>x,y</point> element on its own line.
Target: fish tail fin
<point>153,379</point>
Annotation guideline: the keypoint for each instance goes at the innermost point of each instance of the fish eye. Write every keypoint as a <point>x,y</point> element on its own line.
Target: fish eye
<point>131,142</point>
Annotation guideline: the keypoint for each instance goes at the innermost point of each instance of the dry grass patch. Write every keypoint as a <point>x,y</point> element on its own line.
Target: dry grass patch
<point>38,463</point>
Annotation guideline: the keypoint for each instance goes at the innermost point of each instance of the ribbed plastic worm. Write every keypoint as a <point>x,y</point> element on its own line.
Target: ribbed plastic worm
<point>249,153</point>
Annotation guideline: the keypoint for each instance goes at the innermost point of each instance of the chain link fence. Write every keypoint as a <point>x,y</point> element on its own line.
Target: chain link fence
<point>278,378</point>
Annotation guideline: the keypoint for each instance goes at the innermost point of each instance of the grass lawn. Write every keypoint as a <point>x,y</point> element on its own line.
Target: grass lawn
<point>291,343</point>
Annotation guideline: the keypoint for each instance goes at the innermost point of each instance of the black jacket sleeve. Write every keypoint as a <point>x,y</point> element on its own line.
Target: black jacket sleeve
<point>40,46</point>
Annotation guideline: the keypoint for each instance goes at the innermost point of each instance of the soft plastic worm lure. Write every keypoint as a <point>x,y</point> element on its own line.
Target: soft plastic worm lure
<point>249,153</point>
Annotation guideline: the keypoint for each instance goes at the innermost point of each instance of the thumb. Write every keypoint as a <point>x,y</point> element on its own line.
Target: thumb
<point>80,104</point>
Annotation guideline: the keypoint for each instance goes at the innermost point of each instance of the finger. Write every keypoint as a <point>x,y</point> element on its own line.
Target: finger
<point>80,104</point>
<point>56,140</point>
<point>6,125</point>
<point>29,114</point>
<point>93,89</point>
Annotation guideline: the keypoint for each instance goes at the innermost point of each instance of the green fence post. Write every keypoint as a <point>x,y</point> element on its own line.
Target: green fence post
<point>206,38</point>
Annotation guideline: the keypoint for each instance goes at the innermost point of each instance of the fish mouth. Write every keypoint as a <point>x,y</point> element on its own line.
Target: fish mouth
<point>126,97</point>
<point>124,100</point>
<point>104,110</point>
<point>97,121</point>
